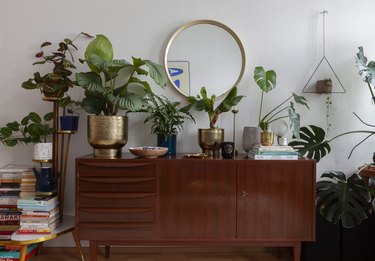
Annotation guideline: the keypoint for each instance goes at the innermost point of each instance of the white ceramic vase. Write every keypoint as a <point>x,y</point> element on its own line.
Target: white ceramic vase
<point>42,151</point>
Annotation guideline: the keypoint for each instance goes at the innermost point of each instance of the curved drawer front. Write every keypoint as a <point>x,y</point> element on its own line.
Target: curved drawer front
<point>115,200</point>
<point>114,184</point>
<point>146,215</point>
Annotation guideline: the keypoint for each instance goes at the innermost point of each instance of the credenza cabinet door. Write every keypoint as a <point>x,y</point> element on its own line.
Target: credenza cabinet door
<point>276,200</point>
<point>197,199</point>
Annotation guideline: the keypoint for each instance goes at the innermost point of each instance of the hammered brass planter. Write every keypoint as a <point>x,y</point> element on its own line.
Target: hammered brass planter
<point>107,135</point>
<point>266,138</point>
<point>210,141</point>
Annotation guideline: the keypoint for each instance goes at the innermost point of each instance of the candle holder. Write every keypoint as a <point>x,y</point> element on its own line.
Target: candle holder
<point>234,111</point>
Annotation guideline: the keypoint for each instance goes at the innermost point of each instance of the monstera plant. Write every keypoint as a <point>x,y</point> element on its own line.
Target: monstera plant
<point>341,198</point>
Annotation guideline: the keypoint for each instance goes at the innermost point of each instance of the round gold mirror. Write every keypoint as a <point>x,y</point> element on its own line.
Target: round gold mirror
<point>204,53</point>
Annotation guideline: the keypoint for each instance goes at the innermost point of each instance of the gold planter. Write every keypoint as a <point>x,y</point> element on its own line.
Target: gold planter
<point>266,138</point>
<point>107,135</point>
<point>210,141</point>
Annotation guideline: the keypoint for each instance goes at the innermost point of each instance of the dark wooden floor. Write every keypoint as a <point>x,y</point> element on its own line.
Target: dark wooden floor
<point>169,254</point>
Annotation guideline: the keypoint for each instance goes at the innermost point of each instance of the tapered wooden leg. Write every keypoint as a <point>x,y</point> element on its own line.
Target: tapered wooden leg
<point>297,251</point>
<point>107,251</point>
<point>23,252</point>
<point>78,244</point>
<point>93,250</point>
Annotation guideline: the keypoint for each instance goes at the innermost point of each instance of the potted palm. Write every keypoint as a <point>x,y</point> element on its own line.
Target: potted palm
<point>112,86</point>
<point>167,120</point>
<point>266,80</point>
<point>31,129</point>
<point>210,139</point>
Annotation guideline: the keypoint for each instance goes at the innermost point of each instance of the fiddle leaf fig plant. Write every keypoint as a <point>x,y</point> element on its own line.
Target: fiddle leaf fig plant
<point>112,85</point>
<point>204,103</point>
<point>266,80</point>
<point>31,129</point>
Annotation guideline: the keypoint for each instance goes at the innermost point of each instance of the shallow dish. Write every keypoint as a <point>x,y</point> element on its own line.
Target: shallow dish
<point>148,152</point>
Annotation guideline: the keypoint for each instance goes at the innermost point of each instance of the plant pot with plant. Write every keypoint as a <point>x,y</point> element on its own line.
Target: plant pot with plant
<point>31,129</point>
<point>167,120</point>
<point>54,84</point>
<point>111,86</point>
<point>266,80</point>
<point>70,120</point>
<point>210,139</point>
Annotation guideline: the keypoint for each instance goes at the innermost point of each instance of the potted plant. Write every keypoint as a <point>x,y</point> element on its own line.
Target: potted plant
<point>167,120</point>
<point>31,129</point>
<point>70,120</point>
<point>210,139</point>
<point>324,86</point>
<point>266,80</point>
<point>56,83</point>
<point>112,86</point>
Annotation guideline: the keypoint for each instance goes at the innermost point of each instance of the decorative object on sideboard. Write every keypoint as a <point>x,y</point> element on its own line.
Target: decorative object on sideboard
<point>167,120</point>
<point>106,94</point>
<point>250,137</point>
<point>148,151</point>
<point>210,139</point>
<point>234,110</point>
<point>266,80</point>
<point>227,150</point>
<point>46,180</point>
<point>57,82</point>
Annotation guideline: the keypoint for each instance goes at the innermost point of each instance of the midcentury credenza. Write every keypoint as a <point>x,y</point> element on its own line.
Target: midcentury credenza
<point>177,201</point>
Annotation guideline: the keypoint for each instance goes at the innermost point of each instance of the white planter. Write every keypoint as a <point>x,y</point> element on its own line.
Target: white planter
<point>42,151</point>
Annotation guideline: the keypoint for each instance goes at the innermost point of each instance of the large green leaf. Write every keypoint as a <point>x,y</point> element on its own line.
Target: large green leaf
<point>156,72</point>
<point>90,81</point>
<point>230,101</point>
<point>366,71</point>
<point>93,105</point>
<point>266,80</point>
<point>300,100</point>
<point>311,143</point>
<point>339,198</point>
<point>100,46</point>
<point>132,102</point>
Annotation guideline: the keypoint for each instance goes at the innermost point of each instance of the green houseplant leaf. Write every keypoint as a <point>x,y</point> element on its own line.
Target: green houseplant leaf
<point>266,80</point>
<point>100,46</point>
<point>311,142</point>
<point>341,198</point>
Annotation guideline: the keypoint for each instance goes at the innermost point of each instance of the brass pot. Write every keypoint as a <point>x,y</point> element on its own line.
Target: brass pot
<point>266,138</point>
<point>107,135</point>
<point>210,141</point>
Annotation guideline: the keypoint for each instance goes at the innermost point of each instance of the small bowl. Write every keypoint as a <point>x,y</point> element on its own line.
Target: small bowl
<point>148,152</point>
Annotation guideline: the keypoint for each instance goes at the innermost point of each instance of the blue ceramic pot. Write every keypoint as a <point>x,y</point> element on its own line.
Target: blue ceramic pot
<point>69,122</point>
<point>169,141</point>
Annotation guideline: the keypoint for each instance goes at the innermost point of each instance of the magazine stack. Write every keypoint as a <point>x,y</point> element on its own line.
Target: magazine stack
<point>40,214</point>
<point>275,152</point>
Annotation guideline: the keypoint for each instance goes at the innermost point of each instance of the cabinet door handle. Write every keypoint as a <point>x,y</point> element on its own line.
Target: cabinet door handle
<point>244,194</point>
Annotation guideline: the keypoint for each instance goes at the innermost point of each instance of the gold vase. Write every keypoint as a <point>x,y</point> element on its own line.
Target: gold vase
<point>266,138</point>
<point>107,135</point>
<point>210,141</point>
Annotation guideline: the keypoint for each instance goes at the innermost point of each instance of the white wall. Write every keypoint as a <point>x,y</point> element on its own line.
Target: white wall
<point>282,35</point>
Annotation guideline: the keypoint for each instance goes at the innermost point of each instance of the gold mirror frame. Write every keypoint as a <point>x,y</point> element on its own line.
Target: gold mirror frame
<point>210,22</point>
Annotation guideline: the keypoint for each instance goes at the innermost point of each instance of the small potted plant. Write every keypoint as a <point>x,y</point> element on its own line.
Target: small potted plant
<point>56,83</point>
<point>31,129</point>
<point>210,139</point>
<point>167,120</point>
<point>266,80</point>
<point>107,94</point>
<point>69,121</point>
<point>324,86</point>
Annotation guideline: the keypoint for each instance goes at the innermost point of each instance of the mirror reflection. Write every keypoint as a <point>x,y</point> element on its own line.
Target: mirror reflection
<point>204,53</point>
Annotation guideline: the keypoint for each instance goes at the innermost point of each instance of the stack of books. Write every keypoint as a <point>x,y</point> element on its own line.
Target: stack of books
<point>40,214</point>
<point>28,181</point>
<point>273,153</point>
<point>12,253</point>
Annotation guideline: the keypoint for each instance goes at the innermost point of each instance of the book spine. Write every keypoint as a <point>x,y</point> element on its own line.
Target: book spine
<point>274,157</point>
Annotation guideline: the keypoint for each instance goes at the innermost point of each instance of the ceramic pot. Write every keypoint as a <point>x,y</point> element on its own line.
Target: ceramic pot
<point>107,135</point>
<point>45,180</point>
<point>42,151</point>
<point>266,138</point>
<point>69,122</point>
<point>169,141</point>
<point>250,137</point>
<point>210,141</point>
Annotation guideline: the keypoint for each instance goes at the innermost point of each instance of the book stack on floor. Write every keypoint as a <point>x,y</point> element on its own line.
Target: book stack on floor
<point>12,253</point>
<point>10,183</point>
<point>28,181</point>
<point>275,152</point>
<point>40,214</point>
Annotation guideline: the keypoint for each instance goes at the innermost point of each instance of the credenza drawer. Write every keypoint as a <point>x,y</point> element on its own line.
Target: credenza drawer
<point>116,184</point>
<point>115,231</point>
<point>115,200</point>
<point>116,215</point>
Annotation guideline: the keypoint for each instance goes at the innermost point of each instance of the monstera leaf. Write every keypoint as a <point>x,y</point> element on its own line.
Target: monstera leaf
<point>311,143</point>
<point>339,198</point>
<point>367,71</point>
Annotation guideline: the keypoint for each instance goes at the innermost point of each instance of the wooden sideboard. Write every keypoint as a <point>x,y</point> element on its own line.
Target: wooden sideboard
<point>176,201</point>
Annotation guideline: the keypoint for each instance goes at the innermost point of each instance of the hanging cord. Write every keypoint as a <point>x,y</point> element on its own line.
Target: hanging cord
<point>324,12</point>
